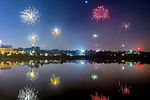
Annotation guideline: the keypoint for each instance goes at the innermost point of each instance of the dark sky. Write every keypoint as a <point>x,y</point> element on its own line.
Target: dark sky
<point>74,19</point>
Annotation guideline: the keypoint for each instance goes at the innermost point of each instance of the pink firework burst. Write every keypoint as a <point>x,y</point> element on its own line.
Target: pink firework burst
<point>100,13</point>
<point>99,98</point>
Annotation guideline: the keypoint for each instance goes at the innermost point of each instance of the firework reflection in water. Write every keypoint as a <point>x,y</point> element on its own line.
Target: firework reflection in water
<point>99,98</point>
<point>28,93</point>
<point>123,88</point>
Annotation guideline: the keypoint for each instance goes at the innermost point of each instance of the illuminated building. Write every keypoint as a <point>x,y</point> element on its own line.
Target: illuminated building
<point>6,49</point>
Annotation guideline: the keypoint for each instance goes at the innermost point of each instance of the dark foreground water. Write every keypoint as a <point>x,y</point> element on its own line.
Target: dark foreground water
<point>76,80</point>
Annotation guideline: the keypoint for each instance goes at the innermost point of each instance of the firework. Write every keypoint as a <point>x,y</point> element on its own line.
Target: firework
<point>28,93</point>
<point>32,75</point>
<point>0,41</point>
<point>86,2</point>
<point>55,80</point>
<point>30,15</point>
<point>94,76</point>
<point>99,98</point>
<point>100,13</point>
<point>122,45</point>
<point>94,36</point>
<point>125,26</point>
<point>56,32</point>
<point>124,89</point>
<point>33,37</point>
<point>139,49</point>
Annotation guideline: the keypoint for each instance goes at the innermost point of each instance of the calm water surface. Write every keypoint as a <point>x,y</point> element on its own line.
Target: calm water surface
<point>78,80</point>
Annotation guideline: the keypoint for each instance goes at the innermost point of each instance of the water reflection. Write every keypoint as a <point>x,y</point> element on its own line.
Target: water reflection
<point>99,97</point>
<point>54,80</point>
<point>37,63</point>
<point>81,72</point>
<point>32,75</point>
<point>124,88</point>
<point>28,93</point>
<point>94,76</point>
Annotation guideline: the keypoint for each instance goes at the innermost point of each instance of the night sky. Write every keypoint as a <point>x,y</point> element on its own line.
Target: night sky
<point>74,19</point>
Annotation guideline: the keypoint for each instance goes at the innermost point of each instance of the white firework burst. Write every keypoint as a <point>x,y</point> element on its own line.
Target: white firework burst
<point>28,93</point>
<point>30,15</point>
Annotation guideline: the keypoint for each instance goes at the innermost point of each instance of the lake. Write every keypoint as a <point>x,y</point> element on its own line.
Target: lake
<point>73,80</point>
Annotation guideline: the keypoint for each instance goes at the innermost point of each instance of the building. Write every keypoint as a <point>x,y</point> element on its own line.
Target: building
<point>6,49</point>
<point>6,46</point>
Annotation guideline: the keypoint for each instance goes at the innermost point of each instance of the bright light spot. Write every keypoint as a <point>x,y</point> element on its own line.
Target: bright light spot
<point>0,41</point>
<point>123,68</point>
<point>56,32</point>
<point>82,51</point>
<point>131,51</point>
<point>139,49</point>
<point>94,36</point>
<point>122,45</point>
<point>86,1</point>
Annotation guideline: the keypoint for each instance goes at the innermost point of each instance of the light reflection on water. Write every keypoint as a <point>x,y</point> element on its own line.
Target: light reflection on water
<point>76,77</point>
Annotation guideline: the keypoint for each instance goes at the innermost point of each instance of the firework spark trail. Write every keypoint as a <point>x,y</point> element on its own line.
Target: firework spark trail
<point>30,15</point>
<point>28,93</point>
<point>100,13</point>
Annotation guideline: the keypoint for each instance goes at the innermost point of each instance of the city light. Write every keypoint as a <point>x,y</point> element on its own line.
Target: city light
<point>139,49</point>
<point>82,51</point>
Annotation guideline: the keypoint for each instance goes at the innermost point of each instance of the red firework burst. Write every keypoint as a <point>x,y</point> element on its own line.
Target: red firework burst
<point>100,13</point>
